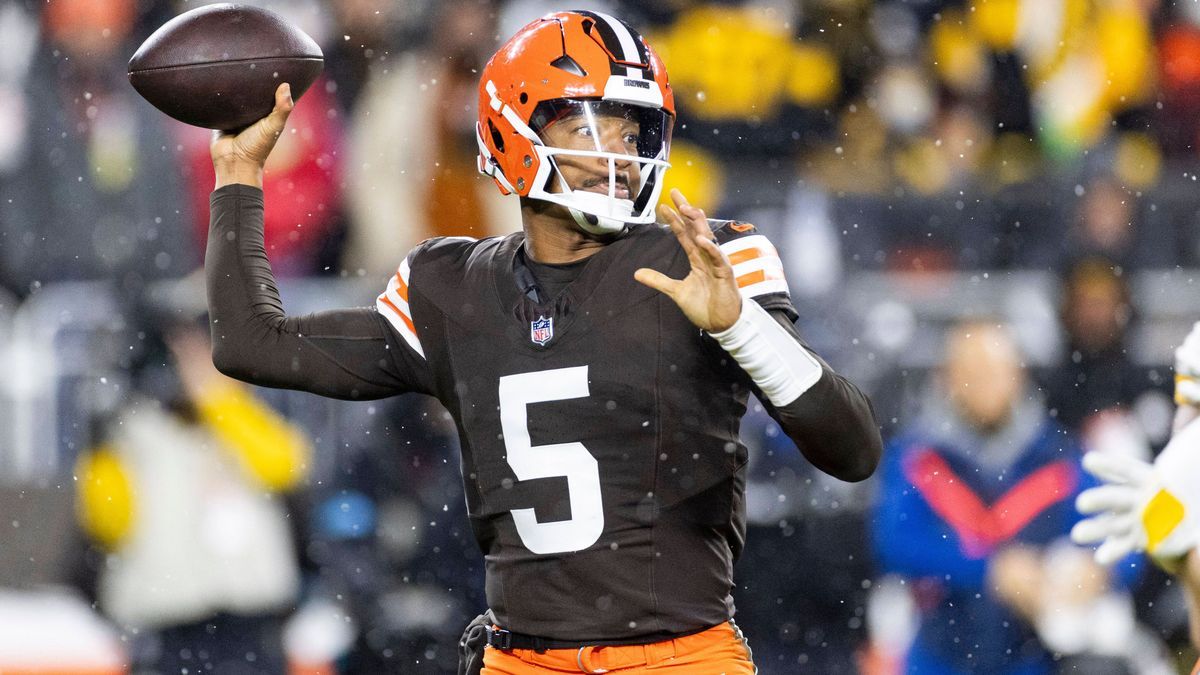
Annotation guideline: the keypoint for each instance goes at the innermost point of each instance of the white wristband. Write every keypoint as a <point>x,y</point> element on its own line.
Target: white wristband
<point>781,367</point>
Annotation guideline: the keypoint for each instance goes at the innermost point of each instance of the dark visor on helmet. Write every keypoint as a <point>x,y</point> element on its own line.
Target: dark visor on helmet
<point>651,125</point>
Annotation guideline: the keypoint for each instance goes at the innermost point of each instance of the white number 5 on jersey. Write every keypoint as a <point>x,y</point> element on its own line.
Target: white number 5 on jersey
<point>571,460</point>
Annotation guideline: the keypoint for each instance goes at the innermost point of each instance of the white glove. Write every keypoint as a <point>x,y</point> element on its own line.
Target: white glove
<point>1187,369</point>
<point>1143,507</point>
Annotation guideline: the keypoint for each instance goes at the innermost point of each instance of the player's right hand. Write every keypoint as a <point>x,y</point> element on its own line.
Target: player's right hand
<point>1144,507</point>
<point>239,158</point>
<point>1187,369</point>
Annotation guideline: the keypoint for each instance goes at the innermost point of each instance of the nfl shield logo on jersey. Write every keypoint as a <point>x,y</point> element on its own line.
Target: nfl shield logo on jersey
<point>541,330</point>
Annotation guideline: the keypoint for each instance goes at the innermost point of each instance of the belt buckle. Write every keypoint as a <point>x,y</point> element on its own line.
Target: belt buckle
<point>587,668</point>
<point>499,638</point>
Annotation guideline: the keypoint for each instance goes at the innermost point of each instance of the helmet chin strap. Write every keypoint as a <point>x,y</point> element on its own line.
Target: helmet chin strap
<point>588,221</point>
<point>596,224</point>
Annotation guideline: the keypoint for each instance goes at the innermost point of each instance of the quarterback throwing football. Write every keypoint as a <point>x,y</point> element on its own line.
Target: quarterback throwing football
<point>596,364</point>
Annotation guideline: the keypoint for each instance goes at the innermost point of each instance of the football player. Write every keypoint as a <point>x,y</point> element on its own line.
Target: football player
<point>1154,507</point>
<point>596,364</point>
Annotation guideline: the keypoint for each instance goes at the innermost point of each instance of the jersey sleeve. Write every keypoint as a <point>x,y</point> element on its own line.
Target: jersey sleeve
<point>393,305</point>
<point>756,264</point>
<point>401,303</point>
<point>832,421</point>
<point>345,353</point>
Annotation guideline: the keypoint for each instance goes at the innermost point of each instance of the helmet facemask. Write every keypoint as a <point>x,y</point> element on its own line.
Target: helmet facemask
<point>602,160</point>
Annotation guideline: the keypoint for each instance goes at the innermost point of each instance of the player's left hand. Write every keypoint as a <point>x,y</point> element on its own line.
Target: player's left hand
<point>708,295</point>
<point>1144,507</point>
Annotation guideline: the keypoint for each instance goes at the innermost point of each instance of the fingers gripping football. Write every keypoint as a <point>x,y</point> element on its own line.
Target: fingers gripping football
<point>708,295</point>
<point>239,157</point>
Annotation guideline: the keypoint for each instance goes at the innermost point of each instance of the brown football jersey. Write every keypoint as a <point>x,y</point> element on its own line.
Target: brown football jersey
<point>603,473</point>
<point>599,429</point>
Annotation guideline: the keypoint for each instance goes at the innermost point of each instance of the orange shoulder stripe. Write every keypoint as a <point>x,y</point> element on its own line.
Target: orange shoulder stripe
<point>407,321</point>
<point>745,254</point>
<point>401,287</point>
<point>756,276</point>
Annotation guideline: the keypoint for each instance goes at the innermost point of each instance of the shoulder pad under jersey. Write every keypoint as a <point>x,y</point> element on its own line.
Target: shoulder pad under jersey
<point>756,263</point>
<point>392,303</point>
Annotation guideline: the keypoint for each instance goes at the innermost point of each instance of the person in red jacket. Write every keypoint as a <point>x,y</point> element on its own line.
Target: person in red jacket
<point>304,227</point>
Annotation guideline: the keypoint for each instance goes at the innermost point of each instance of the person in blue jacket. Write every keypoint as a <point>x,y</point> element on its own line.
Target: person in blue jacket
<point>973,495</point>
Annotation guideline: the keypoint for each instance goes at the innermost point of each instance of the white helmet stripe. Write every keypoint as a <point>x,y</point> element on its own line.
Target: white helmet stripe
<point>623,43</point>
<point>628,42</point>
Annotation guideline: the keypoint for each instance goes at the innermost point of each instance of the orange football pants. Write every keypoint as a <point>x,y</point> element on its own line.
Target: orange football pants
<point>720,650</point>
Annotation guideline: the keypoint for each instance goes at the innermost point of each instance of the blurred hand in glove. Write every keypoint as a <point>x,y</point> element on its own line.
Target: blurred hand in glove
<point>1141,506</point>
<point>1187,369</point>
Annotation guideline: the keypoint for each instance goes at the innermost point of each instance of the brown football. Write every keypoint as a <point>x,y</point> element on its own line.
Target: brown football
<point>218,66</point>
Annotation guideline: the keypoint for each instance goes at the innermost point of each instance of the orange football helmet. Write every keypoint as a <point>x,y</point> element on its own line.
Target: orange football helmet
<point>581,66</point>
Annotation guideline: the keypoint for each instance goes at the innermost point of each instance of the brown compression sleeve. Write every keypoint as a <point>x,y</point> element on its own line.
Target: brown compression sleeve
<point>832,423</point>
<point>344,353</point>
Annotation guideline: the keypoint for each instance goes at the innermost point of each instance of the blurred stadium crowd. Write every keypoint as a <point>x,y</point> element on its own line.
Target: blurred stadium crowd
<point>986,208</point>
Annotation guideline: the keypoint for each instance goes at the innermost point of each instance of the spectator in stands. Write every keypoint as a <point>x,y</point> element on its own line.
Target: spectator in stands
<point>1104,223</point>
<point>1108,224</point>
<point>974,499</point>
<point>1098,373</point>
<point>370,35</point>
<point>184,495</point>
<point>92,173</point>
<point>305,235</point>
<point>412,172</point>
<point>760,101</point>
